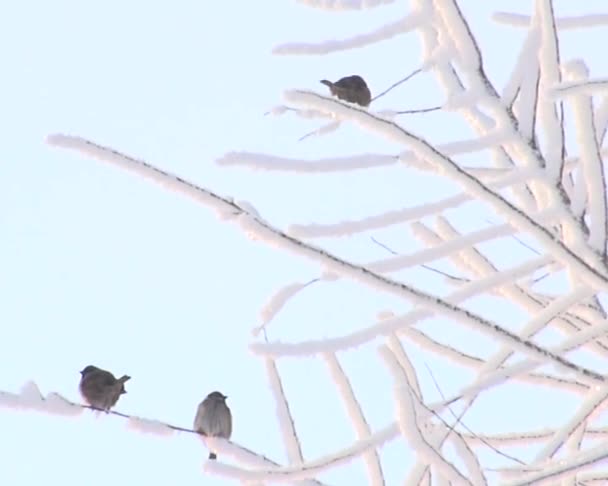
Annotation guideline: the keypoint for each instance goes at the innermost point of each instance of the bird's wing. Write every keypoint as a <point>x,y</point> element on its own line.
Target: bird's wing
<point>99,382</point>
<point>198,418</point>
<point>221,426</point>
<point>106,379</point>
<point>350,82</point>
<point>229,424</point>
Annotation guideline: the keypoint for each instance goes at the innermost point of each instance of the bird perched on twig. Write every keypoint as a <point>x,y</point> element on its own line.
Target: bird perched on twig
<point>350,88</point>
<point>100,388</point>
<point>213,418</point>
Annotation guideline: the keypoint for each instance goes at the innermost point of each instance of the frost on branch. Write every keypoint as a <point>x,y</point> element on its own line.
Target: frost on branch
<point>519,248</point>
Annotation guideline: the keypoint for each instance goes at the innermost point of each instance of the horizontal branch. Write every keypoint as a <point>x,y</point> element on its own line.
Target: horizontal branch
<point>565,23</point>
<point>30,398</point>
<point>564,468</point>
<point>341,5</point>
<point>589,87</point>
<point>337,164</point>
<point>389,218</point>
<point>388,31</point>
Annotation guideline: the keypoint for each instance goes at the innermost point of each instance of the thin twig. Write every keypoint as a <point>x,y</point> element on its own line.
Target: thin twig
<point>383,246</point>
<point>309,134</point>
<point>439,417</point>
<point>538,279</point>
<point>394,85</point>
<point>464,426</point>
<point>127,416</point>
<point>421,110</point>
<point>440,272</point>
<point>520,241</point>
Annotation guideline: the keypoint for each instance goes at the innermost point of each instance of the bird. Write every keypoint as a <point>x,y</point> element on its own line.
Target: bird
<point>213,418</point>
<point>350,88</point>
<point>100,388</point>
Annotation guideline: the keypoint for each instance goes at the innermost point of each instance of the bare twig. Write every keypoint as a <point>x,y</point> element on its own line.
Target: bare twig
<point>464,426</point>
<point>394,85</point>
<point>440,272</point>
<point>420,110</point>
<point>519,240</point>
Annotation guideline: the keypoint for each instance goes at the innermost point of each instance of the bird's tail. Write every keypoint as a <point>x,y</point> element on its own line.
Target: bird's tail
<point>212,456</point>
<point>326,83</point>
<point>121,382</point>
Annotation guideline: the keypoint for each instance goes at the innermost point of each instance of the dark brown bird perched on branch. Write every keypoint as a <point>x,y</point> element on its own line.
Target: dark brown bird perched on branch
<point>350,88</point>
<point>100,388</point>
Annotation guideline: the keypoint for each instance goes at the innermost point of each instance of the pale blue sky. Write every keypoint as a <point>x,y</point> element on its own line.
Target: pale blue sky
<point>102,268</point>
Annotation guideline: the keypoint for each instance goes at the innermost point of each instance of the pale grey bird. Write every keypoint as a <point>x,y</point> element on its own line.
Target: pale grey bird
<point>350,88</point>
<point>213,418</point>
<point>100,388</point>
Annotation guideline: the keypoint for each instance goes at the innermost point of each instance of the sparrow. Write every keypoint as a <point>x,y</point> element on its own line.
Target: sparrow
<point>213,418</point>
<point>100,388</point>
<point>350,88</point>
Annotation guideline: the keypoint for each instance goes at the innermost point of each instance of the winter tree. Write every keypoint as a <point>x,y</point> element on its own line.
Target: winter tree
<point>474,328</point>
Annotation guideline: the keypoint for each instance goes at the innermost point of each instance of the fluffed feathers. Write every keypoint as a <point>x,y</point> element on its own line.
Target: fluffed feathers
<point>350,88</point>
<point>213,418</point>
<point>100,388</point>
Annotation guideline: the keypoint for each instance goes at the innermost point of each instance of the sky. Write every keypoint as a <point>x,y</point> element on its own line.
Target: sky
<point>101,267</point>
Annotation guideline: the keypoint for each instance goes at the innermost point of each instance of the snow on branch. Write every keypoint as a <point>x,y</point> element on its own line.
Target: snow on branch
<point>541,319</point>
<point>353,408</point>
<point>466,360</point>
<point>309,468</point>
<point>448,12</point>
<point>502,374</point>
<point>340,5</point>
<point>253,225</point>
<point>564,468</point>
<point>526,62</point>
<point>391,325</point>
<point>587,264</point>
<point>306,114</point>
<point>565,23</point>
<point>286,423</point>
<point>550,120</point>
<point>588,87</point>
<point>591,161</point>
<point>224,207</point>
<point>388,31</point>
<point>600,119</point>
<point>593,402</point>
<point>277,301</point>
<point>472,260</point>
<point>513,439</point>
<point>397,263</point>
<point>408,412</point>
<point>337,164</point>
<point>394,217</point>
<point>432,303</point>
<point>559,201</point>
<point>30,398</point>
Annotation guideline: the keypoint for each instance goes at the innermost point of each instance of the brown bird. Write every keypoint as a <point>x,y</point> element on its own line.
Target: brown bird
<point>100,388</point>
<point>350,88</point>
<point>213,418</point>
